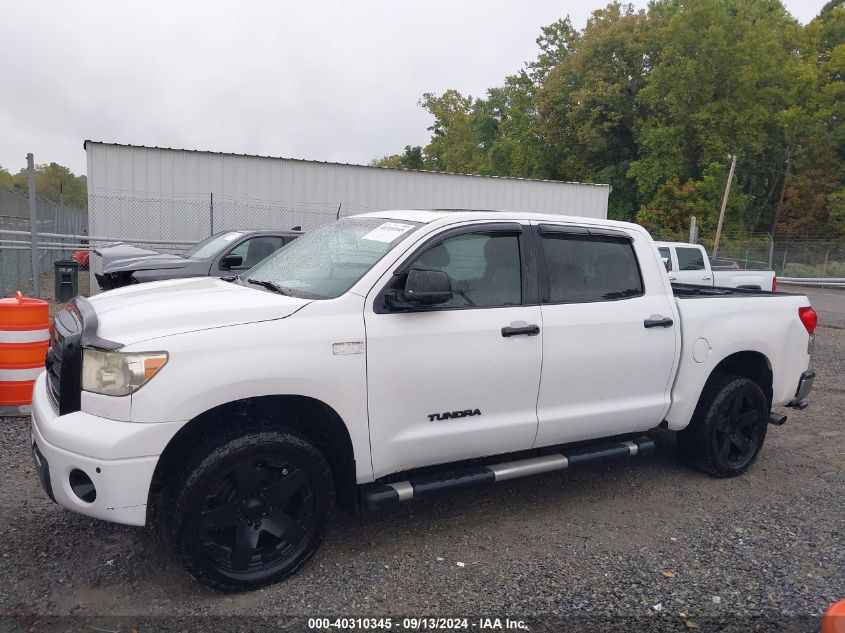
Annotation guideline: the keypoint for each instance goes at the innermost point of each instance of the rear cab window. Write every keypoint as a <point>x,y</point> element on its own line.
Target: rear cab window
<point>690,258</point>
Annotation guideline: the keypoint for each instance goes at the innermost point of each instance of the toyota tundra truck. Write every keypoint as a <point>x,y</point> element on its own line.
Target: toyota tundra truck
<point>392,356</point>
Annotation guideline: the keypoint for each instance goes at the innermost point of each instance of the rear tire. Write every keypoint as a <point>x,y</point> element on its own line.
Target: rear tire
<point>728,427</point>
<point>252,510</point>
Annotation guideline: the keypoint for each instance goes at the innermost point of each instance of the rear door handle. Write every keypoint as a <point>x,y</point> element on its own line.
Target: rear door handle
<point>658,321</point>
<point>523,330</point>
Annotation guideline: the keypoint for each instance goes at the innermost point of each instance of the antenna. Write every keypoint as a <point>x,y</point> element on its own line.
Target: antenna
<point>337,217</point>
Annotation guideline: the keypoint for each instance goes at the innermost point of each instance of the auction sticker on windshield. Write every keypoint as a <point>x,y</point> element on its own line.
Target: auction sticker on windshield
<point>387,232</point>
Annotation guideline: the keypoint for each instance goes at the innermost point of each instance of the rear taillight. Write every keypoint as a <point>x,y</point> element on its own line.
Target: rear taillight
<point>774,284</point>
<point>809,319</point>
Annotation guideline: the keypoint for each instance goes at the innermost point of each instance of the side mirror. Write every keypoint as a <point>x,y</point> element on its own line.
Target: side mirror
<point>231,261</point>
<point>667,265</point>
<point>423,289</point>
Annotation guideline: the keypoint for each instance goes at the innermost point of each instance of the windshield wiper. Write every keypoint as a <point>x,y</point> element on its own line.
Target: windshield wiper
<point>272,286</point>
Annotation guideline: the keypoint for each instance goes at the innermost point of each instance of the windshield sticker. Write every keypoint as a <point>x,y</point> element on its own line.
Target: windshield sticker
<point>387,232</point>
<point>230,236</point>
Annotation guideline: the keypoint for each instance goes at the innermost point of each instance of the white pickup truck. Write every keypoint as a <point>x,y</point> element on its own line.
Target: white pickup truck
<point>391,356</point>
<point>689,264</point>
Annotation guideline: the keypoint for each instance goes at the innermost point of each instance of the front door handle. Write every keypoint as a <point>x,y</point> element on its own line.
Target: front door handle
<point>705,279</point>
<point>658,321</point>
<point>523,330</point>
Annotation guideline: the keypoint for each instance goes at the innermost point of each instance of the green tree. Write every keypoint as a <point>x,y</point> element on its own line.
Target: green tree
<point>675,202</point>
<point>813,203</point>
<point>7,182</point>
<point>411,158</point>
<point>455,141</point>
<point>52,182</point>
<point>588,107</point>
<point>655,101</point>
<point>726,77</point>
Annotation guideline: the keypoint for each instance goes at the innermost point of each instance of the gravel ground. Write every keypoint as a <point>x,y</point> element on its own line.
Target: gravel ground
<point>641,541</point>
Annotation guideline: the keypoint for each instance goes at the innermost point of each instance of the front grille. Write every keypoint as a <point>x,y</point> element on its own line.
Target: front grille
<point>64,362</point>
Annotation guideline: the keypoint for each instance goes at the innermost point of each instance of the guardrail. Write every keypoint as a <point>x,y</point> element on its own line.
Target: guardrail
<point>830,282</point>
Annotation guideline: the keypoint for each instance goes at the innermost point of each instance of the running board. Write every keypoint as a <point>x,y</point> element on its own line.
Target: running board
<point>421,486</point>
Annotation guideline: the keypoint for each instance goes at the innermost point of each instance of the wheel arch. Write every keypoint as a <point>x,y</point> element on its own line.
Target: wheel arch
<point>749,364</point>
<point>309,417</point>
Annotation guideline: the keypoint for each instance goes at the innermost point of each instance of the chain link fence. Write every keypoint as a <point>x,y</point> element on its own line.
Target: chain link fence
<point>15,247</point>
<point>169,224</point>
<point>191,218</point>
<point>748,252</point>
<point>788,257</point>
<point>810,258</point>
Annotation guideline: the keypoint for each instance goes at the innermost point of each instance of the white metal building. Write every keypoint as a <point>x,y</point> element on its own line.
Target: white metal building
<point>154,193</point>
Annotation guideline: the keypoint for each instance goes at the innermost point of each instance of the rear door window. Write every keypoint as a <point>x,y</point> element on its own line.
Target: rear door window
<point>689,258</point>
<point>582,268</point>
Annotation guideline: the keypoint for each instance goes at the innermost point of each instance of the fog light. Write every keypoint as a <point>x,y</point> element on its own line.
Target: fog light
<point>82,486</point>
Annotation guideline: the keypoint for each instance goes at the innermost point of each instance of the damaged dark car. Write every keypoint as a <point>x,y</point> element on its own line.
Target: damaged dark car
<point>221,255</point>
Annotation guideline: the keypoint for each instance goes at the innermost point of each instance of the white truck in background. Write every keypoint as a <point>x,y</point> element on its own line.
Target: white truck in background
<point>391,356</point>
<point>689,264</point>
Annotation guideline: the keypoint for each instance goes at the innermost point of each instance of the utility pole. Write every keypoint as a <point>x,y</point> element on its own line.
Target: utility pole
<point>33,227</point>
<point>724,205</point>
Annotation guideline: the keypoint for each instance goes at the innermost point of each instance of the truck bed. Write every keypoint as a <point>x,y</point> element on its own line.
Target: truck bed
<point>765,324</point>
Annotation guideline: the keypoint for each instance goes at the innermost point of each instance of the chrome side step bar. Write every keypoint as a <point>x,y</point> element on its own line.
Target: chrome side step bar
<point>385,495</point>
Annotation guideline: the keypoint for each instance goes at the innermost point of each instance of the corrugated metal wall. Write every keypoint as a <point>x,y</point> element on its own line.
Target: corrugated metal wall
<point>150,193</point>
<point>155,193</point>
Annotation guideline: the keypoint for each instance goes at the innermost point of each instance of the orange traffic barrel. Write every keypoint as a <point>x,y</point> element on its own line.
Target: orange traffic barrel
<point>24,337</point>
<point>834,620</point>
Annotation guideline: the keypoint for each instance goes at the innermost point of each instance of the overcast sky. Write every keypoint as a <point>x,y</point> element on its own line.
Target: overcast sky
<point>327,80</point>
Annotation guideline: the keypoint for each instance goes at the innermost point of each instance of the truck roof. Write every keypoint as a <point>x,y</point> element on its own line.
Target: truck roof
<point>678,244</point>
<point>427,216</point>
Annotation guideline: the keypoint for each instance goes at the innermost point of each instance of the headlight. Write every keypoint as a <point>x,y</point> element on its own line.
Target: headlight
<point>119,373</point>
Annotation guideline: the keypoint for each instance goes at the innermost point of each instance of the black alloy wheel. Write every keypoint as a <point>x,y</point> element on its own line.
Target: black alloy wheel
<point>728,427</point>
<point>253,510</point>
<point>737,430</point>
<point>256,515</point>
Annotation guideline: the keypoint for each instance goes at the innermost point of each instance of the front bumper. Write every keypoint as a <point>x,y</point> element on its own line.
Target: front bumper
<point>805,385</point>
<point>103,450</point>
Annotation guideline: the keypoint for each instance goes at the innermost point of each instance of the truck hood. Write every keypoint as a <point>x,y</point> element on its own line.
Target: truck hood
<point>120,257</point>
<point>163,308</point>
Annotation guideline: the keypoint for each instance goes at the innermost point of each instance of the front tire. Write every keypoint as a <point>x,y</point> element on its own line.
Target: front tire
<point>253,510</point>
<point>728,427</point>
